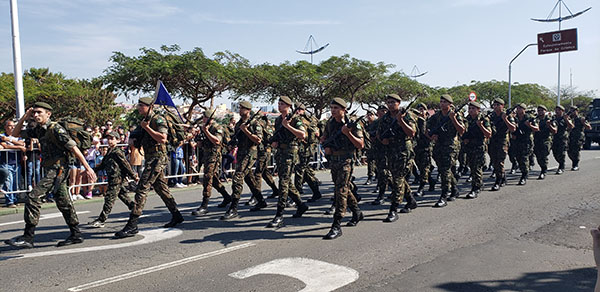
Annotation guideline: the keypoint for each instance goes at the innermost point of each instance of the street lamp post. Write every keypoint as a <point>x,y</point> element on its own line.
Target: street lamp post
<point>510,73</point>
<point>18,70</point>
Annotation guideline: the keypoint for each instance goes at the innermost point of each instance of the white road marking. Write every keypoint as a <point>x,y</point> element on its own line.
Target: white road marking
<point>158,268</point>
<point>317,275</point>
<point>150,236</point>
<point>42,217</point>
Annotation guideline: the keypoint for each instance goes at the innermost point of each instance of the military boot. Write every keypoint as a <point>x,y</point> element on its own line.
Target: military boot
<point>369,181</point>
<point>302,208</point>
<point>25,240</point>
<point>225,202</point>
<point>260,205</point>
<point>442,201</point>
<point>454,194</point>
<point>357,216</point>
<point>74,238</point>
<point>252,201</point>
<point>130,228</point>
<point>575,166</point>
<point>232,211</point>
<point>497,183</point>
<point>315,197</point>
<point>336,229</point>
<point>330,210</point>
<point>176,218</point>
<point>473,194</point>
<point>203,209</point>
<point>419,192</point>
<point>411,204</point>
<point>393,214</point>
<point>277,222</point>
<point>523,180</point>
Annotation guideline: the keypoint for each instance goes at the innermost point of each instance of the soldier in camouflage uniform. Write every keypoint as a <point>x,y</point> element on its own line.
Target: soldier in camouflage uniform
<point>395,131</point>
<point>58,149</point>
<point>576,136</point>
<point>444,126</point>
<point>523,140</point>
<point>117,169</point>
<point>153,140</point>
<point>371,161</point>
<point>340,140</point>
<point>248,135</point>
<point>381,161</point>
<point>561,137</point>
<point>542,139</point>
<point>498,145</point>
<point>477,132</point>
<point>289,131</point>
<point>211,141</point>
<point>422,149</point>
<point>303,172</point>
<point>264,157</point>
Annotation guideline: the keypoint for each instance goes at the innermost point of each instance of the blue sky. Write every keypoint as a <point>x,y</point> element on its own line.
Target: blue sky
<point>456,41</point>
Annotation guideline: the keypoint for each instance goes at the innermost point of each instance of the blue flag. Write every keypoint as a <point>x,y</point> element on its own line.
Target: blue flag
<point>164,98</point>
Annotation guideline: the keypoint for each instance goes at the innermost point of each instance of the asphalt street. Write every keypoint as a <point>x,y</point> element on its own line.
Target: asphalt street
<point>521,238</point>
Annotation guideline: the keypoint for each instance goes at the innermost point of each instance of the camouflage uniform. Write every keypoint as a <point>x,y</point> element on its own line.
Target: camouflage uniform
<point>576,139</point>
<point>498,146</point>
<point>445,151</point>
<point>306,150</point>
<point>263,158</point>
<point>423,149</point>
<point>523,142</point>
<point>381,162</point>
<point>559,141</point>
<point>117,169</point>
<point>475,148</point>
<point>371,155</point>
<point>57,144</point>
<point>542,142</point>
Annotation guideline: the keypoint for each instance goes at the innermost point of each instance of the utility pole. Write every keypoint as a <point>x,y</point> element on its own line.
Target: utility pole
<point>18,70</point>
<point>510,73</point>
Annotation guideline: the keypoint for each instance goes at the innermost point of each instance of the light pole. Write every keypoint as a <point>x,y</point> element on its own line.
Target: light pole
<point>510,73</point>
<point>18,70</point>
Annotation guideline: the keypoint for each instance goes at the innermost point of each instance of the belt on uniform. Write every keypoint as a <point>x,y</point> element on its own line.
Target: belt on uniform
<point>287,146</point>
<point>342,153</point>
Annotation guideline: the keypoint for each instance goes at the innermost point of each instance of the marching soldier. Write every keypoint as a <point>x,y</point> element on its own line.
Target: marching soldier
<point>264,157</point>
<point>542,139</point>
<point>381,161</point>
<point>211,140</point>
<point>371,162</point>
<point>247,135</point>
<point>561,137</point>
<point>395,131</point>
<point>58,149</point>
<point>340,140</point>
<point>444,127</point>
<point>153,140</point>
<point>502,124</point>
<point>306,150</point>
<point>117,169</point>
<point>523,140</point>
<point>576,136</point>
<point>423,149</point>
<point>474,139</point>
<point>289,131</point>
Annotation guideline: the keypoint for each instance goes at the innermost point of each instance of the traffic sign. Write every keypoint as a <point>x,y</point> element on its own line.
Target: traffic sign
<point>472,96</point>
<point>557,41</point>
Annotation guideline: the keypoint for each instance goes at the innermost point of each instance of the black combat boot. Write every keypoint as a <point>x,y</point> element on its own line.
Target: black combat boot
<point>503,180</point>
<point>260,205</point>
<point>497,183</point>
<point>357,216</point>
<point>25,240</point>
<point>203,209</point>
<point>252,201</point>
<point>130,228</point>
<point>419,192</point>
<point>393,214</point>
<point>411,204</point>
<point>232,211</point>
<point>473,194</point>
<point>369,181</point>
<point>315,197</point>
<point>300,210</point>
<point>330,210</point>
<point>224,203</point>
<point>176,218</point>
<point>336,229</point>
<point>575,166</point>
<point>74,238</point>
<point>277,222</point>
<point>442,201</point>
<point>543,173</point>
<point>523,180</point>
<point>454,194</point>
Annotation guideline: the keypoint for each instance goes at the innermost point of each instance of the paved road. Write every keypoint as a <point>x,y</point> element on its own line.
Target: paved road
<point>522,238</point>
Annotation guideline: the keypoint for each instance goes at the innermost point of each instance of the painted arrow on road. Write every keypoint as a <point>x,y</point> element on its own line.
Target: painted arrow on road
<point>150,236</point>
<point>317,275</point>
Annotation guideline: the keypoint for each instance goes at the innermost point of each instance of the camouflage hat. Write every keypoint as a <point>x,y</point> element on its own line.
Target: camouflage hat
<point>574,108</point>
<point>498,100</point>
<point>421,105</point>
<point>542,107</point>
<point>114,135</point>
<point>339,102</point>
<point>522,105</point>
<point>43,105</point>
<point>146,100</point>
<point>393,96</point>
<point>382,107</point>
<point>286,100</point>
<point>447,98</point>
<point>560,107</point>
<point>301,106</point>
<point>208,113</point>
<point>246,105</point>
<point>475,104</point>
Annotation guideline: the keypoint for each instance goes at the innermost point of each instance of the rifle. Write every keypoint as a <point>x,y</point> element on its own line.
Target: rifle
<point>442,127</point>
<point>236,136</point>
<point>333,141</point>
<point>391,128</point>
<point>277,134</point>
<point>202,134</point>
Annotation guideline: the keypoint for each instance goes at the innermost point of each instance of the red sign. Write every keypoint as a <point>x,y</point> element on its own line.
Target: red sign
<point>472,96</point>
<point>557,41</point>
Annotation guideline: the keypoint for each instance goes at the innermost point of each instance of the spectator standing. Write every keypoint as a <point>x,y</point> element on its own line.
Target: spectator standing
<point>10,160</point>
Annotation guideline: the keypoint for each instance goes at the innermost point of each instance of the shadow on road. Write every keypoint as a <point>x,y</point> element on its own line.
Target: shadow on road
<point>571,280</point>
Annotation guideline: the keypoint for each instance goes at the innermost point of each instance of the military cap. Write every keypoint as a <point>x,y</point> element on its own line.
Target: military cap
<point>393,96</point>
<point>522,105</point>
<point>382,107</point>
<point>208,113</point>
<point>560,107</point>
<point>286,100</point>
<point>246,105</point>
<point>146,100</point>
<point>301,106</point>
<point>114,135</point>
<point>498,100</point>
<point>542,107</point>
<point>43,105</point>
<point>447,98</point>
<point>422,105</point>
<point>475,104</point>
<point>574,108</point>
<point>339,102</point>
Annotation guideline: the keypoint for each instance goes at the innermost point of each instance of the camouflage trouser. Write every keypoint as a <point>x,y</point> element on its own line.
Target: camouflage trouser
<point>371,164</point>
<point>243,172</point>
<point>423,161</point>
<point>559,147</point>
<point>497,152</point>
<point>522,152</point>
<point>476,159</point>
<point>341,173</point>
<point>261,172</point>
<point>115,189</point>
<point>399,167</point>
<point>153,175</point>
<point>462,156</point>
<point>304,173</point>
<point>574,148</point>
<point>383,173</point>
<point>512,153</point>
<point>445,158</point>
<point>285,164</point>
<point>54,181</point>
<point>542,150</point>
<point>210,177</point>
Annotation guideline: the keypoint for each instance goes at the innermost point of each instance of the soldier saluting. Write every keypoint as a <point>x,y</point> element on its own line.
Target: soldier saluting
<point>58,148</point>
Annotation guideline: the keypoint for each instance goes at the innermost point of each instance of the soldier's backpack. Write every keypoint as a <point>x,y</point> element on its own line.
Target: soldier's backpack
<point>76,130</point>
<point>176,132</point>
